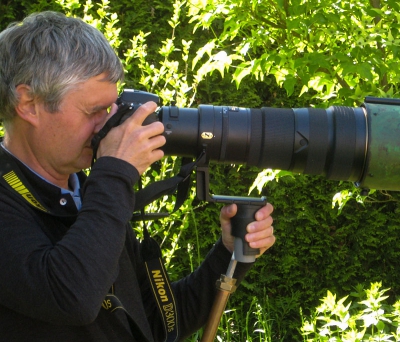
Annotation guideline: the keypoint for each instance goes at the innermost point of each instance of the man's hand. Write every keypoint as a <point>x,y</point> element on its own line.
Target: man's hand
<point>131,141</point>
<point>260,233</point>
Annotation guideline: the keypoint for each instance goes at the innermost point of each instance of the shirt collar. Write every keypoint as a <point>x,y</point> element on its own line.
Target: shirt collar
<point>73,181</point>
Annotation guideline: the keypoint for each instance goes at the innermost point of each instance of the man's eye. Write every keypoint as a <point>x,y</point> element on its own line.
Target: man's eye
<point>103,111</point>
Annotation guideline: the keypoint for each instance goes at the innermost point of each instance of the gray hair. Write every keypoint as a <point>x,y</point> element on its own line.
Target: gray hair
<point>52,54</point>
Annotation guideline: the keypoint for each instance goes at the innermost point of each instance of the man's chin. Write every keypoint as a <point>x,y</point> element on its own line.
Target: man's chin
<point>86,160</point>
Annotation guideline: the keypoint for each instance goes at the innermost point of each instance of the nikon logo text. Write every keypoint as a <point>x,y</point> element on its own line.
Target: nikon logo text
<point>160,285</point>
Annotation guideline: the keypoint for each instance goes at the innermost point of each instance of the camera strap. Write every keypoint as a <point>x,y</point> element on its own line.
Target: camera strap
<point>13,179</point>
<point>179,183</point>
<point>160,286</point>
<point>111,303</point>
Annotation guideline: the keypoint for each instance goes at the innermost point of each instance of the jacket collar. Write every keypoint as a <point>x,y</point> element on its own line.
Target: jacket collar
<point>31,188</point>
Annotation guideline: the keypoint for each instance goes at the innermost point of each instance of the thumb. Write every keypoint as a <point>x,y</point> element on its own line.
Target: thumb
<point>227,212</point>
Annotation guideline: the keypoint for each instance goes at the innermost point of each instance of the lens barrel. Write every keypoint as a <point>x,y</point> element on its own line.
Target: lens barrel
<point>331,142</point>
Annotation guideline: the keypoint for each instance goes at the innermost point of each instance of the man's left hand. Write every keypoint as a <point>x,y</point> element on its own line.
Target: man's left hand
<point>260,233</point>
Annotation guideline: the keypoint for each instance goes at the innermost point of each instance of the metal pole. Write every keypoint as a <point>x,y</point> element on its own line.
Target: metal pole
<point>225,286</point>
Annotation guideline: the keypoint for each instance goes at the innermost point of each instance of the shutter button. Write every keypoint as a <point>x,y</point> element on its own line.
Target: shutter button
<point>63,201</point>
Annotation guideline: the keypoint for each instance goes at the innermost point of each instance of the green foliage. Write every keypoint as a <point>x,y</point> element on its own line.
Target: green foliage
<point>97,15</point>
<point>168,76</point>
<point>263,320</point>
<point>369,319</point>
<point>342,50</point>
<point>15,10</point>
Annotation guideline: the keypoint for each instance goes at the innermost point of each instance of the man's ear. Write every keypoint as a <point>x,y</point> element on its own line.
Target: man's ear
<point>26,107</point>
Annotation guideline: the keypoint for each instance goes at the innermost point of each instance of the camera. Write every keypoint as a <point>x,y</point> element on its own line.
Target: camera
<point>360,144</point>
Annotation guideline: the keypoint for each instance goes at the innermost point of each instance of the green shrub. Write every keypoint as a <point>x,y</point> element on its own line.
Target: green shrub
<point>367,319</point>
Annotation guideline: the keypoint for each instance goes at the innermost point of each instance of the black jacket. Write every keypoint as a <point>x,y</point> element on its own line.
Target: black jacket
<point>57,265</point>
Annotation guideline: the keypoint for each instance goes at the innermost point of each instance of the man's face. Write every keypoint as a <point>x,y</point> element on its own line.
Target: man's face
<point>62,140</point>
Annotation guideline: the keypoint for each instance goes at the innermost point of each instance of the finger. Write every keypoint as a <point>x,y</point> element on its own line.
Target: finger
<point>143,112</point>
<point>155,143</point>
<point>269,244</point>
<point>264,212</point>
<point>261,240</point>
<point>259,225</point>
<point>260,235</point>
<point>227,212</point>
<point>264,244</point>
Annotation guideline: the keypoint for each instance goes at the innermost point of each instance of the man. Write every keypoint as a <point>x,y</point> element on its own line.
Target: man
<point>65,239</point>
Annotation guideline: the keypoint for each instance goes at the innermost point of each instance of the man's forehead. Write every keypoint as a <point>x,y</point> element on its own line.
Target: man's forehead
<point>96,94</point>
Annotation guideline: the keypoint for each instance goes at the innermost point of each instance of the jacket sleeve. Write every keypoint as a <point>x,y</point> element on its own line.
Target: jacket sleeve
<point>66,282</point>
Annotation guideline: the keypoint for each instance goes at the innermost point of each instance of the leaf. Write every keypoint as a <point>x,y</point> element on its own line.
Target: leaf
<point>364,70</point>
<point>289,84</point>
<point>242,71</point>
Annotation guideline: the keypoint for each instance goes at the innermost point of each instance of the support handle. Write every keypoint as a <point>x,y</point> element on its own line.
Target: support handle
<point>245,214</point>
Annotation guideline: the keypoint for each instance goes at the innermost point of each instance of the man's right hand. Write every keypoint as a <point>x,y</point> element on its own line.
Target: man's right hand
<point>131,141</point>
